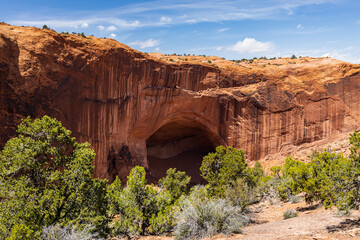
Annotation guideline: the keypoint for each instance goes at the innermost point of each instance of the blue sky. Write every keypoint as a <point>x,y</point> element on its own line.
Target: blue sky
<point>233,29</point>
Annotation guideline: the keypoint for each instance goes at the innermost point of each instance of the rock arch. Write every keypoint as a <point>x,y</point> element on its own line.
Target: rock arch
<point>181,144</point>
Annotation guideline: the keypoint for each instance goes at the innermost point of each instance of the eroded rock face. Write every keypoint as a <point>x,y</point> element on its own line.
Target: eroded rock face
<point>140,109</point>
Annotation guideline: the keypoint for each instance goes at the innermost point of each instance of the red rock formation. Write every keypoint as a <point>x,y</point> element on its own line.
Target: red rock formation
<point>136,108</point>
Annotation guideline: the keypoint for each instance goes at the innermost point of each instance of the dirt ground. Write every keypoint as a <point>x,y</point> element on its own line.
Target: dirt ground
<point>313,222</point>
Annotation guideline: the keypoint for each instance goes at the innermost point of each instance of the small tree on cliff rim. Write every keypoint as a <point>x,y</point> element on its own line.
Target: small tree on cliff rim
<point>46,179</point>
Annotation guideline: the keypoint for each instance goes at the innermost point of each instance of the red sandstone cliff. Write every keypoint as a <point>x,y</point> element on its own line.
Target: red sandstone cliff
<point>136,108</point>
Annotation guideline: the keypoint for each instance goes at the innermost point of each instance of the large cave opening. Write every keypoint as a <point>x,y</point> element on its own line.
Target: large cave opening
<point>180,145</point>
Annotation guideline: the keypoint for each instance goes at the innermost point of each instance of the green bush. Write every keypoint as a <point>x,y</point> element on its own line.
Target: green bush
<point>113,194</point>
<point>142,209</point>
<point>292,177</point>
<point>22,232</point>
<point>329,171</point>
<point>254,176</point>
<point>46,178</point>
<point>328,177</point>
<point>222,168</point>
<point>176,182</point>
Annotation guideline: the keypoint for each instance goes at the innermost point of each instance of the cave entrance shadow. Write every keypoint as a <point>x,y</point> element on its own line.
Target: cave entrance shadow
<point>180,145</point>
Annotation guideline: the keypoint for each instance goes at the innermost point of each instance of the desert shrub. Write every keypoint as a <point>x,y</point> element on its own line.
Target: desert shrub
<point>328,177</point>
<point>199,192</point>
<point>209,61</point>
<point>142,209</point>
<point>290,213</point>
<point>253,187</point>
<point>255,176</point>
<point>56,232</point>
<point>45,27</point>
<point>164,221</point>
<point>22,232</point>
<point>229,177</point>
<point>294,198</point>
<point>242,194</point>
<point>272,195</point>
<point>176,183</point>
<point>291,177</point>
<point>347,180</point>
<point>342,213</point>
<point>46,178</point>
<point>221,168</point>
<point>203,217</point>
<point>113,194</point>
<point>329,171</point>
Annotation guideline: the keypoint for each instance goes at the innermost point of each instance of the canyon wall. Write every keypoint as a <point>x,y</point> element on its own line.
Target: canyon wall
<point>139,109</point>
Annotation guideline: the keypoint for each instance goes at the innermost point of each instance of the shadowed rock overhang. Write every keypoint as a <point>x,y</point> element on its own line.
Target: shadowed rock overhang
<point>142,109</point>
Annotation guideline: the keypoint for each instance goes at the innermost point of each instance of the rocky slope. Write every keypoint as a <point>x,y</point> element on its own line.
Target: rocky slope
<point>168,111</point>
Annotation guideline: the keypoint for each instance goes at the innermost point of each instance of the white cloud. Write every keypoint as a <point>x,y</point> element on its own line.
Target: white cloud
<point>299,26</point>
<point>343,54</point>
<point>100,27</point>
<point>148,43</point>
<point>191,21</point>
<point>157,49</point>
<point>223,29</point>
<point>113,35</point>
<point>165,19</point>
<point>111,28</point>
<point>251,45</point>
<point>84,25</point>
<point>219,48</point>
<point>347,54</point>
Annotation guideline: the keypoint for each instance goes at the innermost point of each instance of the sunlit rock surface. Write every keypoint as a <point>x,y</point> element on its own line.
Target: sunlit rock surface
<point>143,109</point>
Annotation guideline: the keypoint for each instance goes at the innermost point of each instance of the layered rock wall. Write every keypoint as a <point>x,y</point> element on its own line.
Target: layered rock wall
<point>126,103</point>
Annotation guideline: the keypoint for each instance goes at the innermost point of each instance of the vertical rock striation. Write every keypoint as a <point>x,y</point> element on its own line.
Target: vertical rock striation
<point>133,107</point>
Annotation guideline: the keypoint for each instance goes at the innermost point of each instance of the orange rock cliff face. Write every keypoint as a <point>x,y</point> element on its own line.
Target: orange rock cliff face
<point>142,109</point>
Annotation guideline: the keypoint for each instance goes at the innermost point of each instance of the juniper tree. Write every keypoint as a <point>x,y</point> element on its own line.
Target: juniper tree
<point>46,179</point>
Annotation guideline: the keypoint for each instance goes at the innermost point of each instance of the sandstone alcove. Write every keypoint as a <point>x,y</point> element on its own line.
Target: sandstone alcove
<point>181,145</point>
